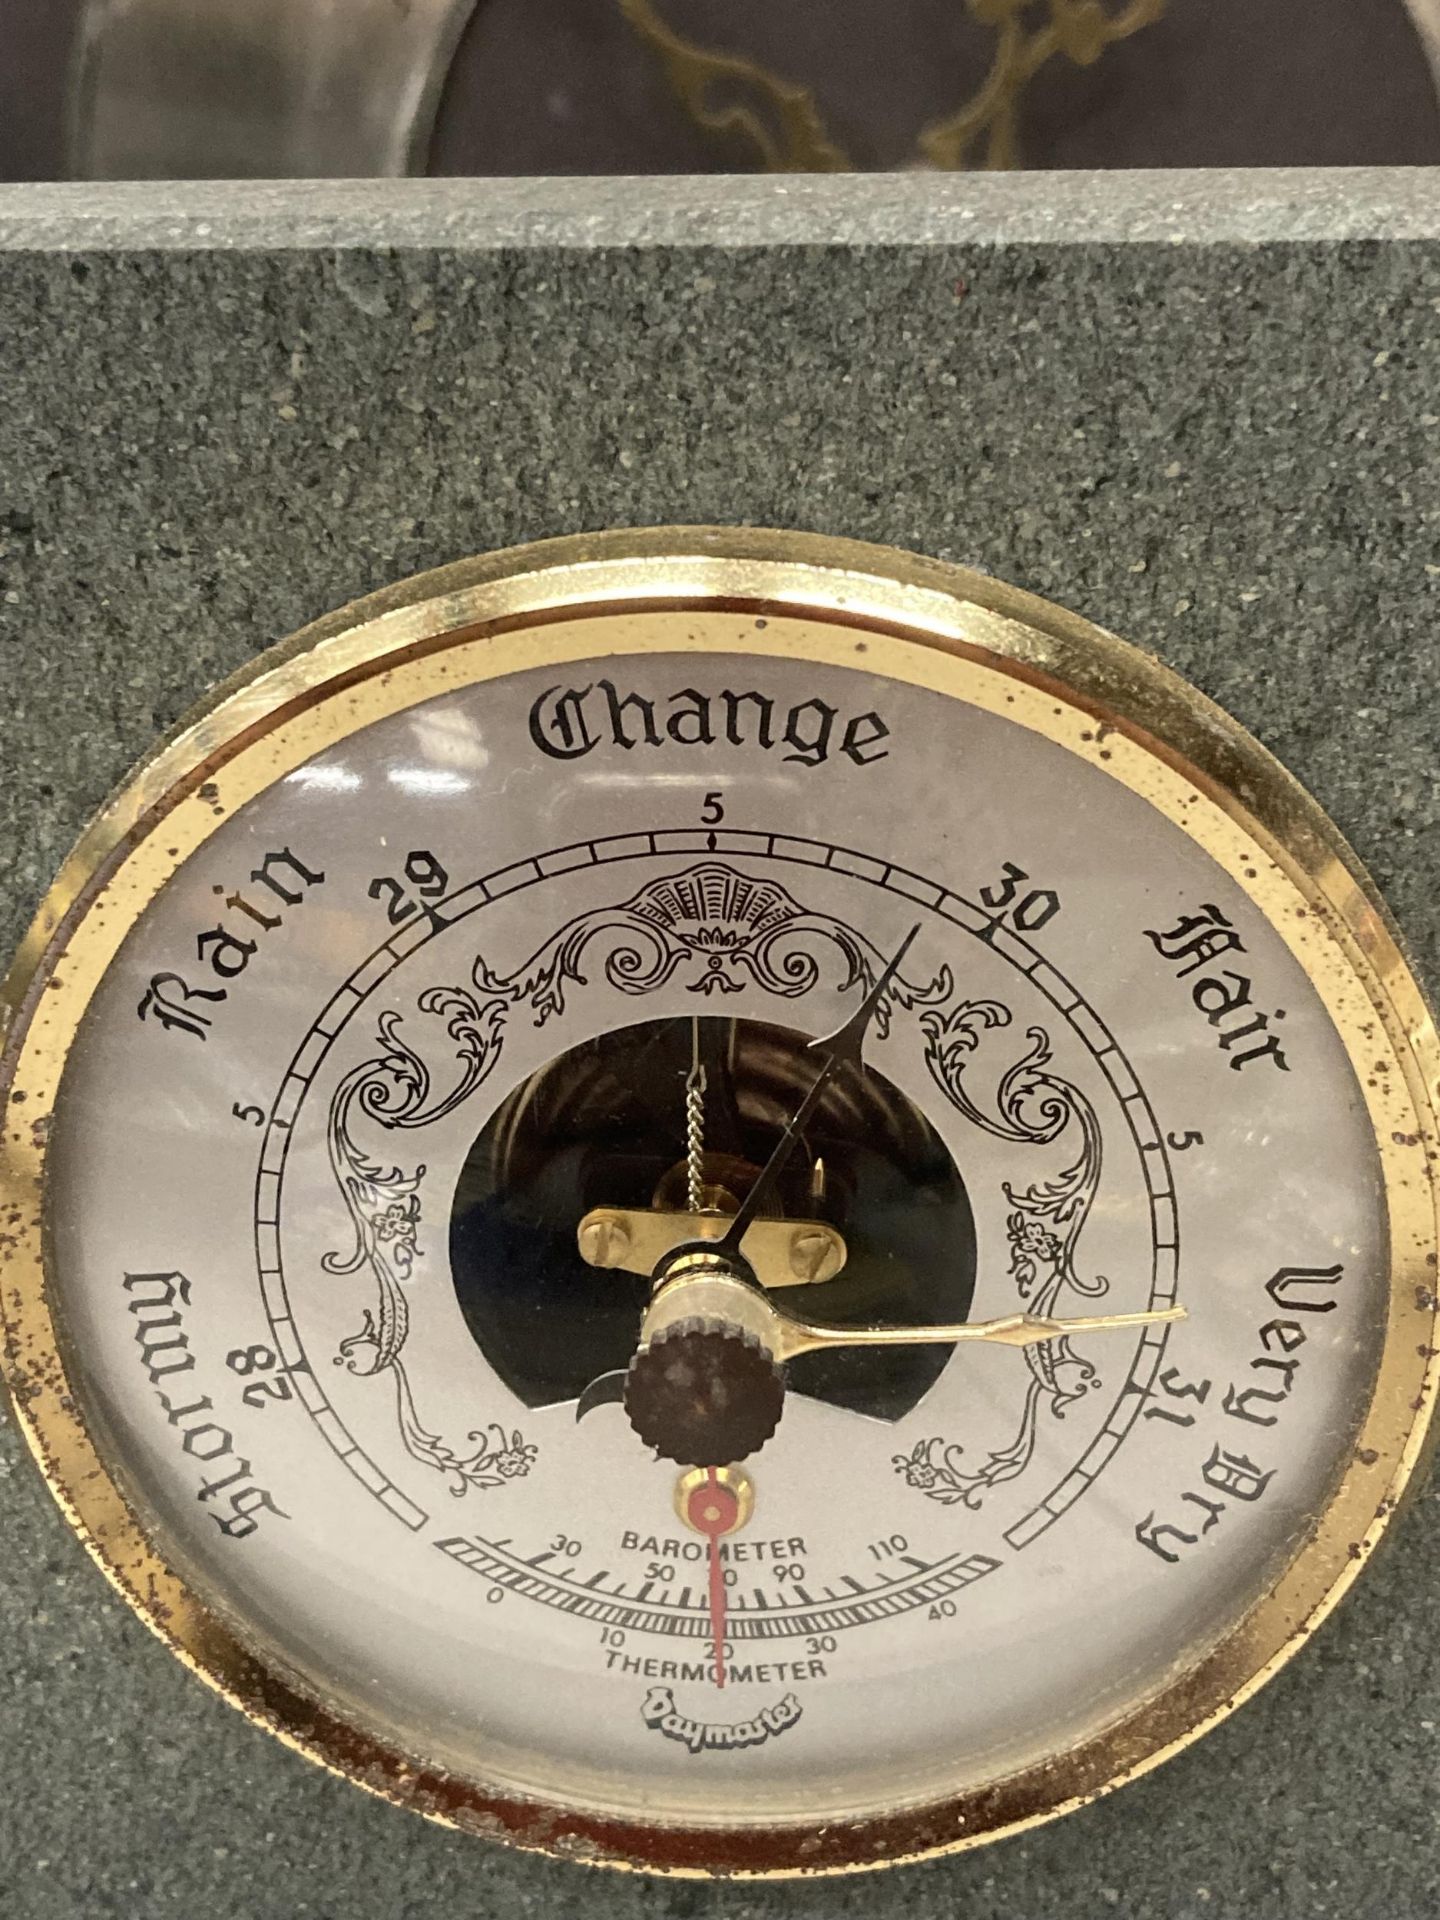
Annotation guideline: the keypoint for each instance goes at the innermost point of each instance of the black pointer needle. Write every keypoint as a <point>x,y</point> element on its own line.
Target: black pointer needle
<point>844,1044</point>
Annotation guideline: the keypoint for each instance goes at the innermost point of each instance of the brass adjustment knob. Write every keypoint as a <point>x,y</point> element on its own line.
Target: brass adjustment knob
<point>704,1392</point>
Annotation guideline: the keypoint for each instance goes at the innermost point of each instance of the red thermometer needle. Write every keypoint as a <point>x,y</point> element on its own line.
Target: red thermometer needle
<point>714,1511</point>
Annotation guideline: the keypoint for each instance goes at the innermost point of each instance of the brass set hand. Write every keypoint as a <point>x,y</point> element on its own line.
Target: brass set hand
<point>1010,1330</point>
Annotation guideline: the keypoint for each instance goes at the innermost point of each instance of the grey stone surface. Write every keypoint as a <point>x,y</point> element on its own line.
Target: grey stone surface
<point>1204,411</point>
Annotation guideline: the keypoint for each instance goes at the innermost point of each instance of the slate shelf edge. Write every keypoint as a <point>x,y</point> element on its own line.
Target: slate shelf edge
<point>1191,207</point>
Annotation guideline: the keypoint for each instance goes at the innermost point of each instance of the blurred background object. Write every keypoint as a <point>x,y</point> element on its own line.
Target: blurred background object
<point>219,88</point>
<point>1426,15</point>
<point>234,88</point>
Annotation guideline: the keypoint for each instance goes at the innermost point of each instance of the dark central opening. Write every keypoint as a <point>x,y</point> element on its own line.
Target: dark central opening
<point>604,1125</point>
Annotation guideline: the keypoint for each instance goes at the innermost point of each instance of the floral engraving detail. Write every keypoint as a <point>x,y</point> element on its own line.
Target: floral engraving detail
<point>1031,1106</point>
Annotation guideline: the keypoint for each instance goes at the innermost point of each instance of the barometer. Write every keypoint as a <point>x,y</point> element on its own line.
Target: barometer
<point>720,1201</point>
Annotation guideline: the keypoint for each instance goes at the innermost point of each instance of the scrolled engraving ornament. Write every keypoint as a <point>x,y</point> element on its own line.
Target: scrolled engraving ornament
<point>1033,1107</point>
<point>724,928</point>
<point>384,1209</point>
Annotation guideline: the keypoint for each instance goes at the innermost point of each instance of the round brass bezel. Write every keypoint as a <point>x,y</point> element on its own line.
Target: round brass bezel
<point>826,599</point>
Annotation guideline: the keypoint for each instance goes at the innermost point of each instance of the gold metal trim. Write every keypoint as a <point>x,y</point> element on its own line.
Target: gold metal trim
<point>846,604</point>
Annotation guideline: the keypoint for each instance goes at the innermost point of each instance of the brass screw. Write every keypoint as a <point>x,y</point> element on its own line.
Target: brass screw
<point>604,1242</point>
<point>814,1256</point>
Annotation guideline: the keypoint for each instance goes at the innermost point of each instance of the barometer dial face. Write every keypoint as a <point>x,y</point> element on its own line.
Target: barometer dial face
<point>388,1035</point>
